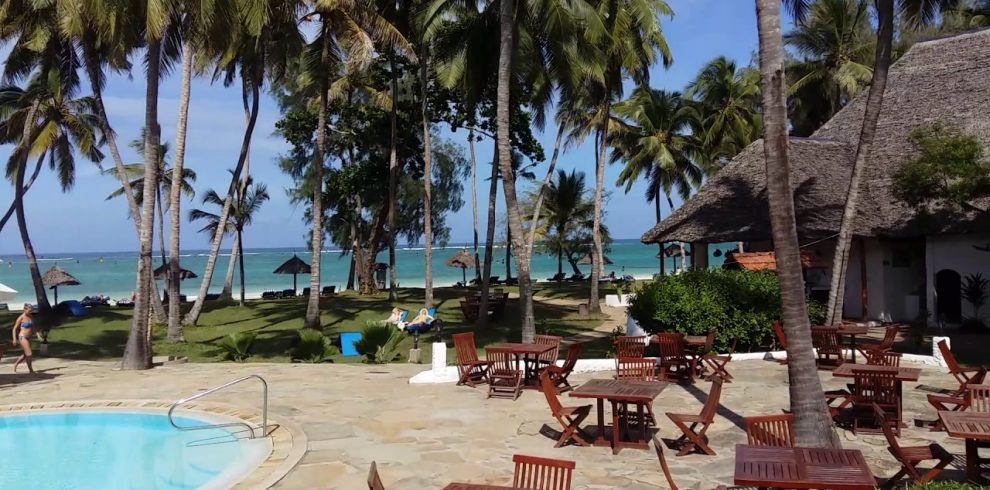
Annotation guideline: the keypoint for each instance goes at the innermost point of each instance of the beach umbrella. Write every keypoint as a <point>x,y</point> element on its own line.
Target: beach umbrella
<point>293,266</point>
<point>587,260</point>
<point>464,260</point>
<point>162,273</point>
<point>55,277</point>
<point>7,293</point>
<point>673,250</point>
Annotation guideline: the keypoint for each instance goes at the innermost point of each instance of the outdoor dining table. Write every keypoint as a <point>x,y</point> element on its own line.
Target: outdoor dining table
<point>974,427</point>
<point>526,353</point>
<point>809,468</point>
<point>620,391</point>
<point>845,370</point>
<point>852,331</point>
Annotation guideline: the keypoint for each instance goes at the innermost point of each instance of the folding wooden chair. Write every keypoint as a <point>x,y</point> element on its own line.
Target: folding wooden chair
<point>961,375</point>
<point>695,439</point>
<point>569,418</point>
<point>550,357</point>
<point>770,430</point>
<point>673,361</point>
<point>778,332</point>
<point>873,389</point>
<point>911,457</point>
<point>953,402</point>
<point>630,346</point>
<point>883,358</point>
<point>658,447</point>
<point>541,473</point>
<point>559,374</point>
<point>827,345</point>
<point>842,397</point>
<point>374,480</point>
<point>697,354</point>
<point>504,379</point>
<point>470,369</point>
<point>717,363</point>
<point>889,337</point>
<point>642,369</point>
<point>978,397</point>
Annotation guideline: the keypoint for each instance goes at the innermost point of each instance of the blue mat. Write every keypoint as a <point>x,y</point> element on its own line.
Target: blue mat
<point>347,340</point>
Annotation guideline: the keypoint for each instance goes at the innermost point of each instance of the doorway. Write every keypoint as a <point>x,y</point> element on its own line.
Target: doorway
<point>948,296</point>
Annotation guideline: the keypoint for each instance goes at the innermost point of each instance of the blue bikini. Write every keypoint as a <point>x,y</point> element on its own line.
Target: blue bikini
<point>26,326</point>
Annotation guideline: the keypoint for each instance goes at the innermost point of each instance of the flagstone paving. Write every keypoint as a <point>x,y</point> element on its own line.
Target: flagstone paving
<point>425,436</point>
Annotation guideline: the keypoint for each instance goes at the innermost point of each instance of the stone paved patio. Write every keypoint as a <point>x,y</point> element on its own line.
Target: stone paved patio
<point>424,436</point>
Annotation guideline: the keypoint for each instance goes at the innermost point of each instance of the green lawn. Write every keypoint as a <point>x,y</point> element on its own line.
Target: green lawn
<point>102,334</point>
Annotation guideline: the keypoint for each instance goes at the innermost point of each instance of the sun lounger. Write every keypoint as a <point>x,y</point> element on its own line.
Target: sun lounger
<point>560,276</point>
<point>305,292</point>
<point>576,277</point>
<point>328,291</point>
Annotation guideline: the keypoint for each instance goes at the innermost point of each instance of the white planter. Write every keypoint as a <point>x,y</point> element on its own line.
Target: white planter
<point>617,301</point>
<point>439,358</point>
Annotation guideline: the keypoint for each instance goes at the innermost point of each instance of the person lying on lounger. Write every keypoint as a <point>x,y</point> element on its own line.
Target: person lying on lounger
<point>423,318</point>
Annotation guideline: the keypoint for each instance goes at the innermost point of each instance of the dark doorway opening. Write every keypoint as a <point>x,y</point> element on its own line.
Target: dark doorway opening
<point>948,296</point>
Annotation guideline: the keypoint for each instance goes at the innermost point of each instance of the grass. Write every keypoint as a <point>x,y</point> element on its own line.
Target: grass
<point>102,334</point>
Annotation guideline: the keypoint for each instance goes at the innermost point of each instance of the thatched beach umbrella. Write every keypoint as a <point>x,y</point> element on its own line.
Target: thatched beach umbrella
<point>55,277</point>
<point>293,266</point>
<point>162,273</point>
<point>588,260</point>
<point>464,260</point>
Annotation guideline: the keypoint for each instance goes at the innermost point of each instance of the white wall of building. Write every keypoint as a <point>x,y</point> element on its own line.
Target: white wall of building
<point>955,252</point>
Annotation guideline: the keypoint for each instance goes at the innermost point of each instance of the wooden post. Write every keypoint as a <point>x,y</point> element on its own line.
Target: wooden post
<point>865,297</point>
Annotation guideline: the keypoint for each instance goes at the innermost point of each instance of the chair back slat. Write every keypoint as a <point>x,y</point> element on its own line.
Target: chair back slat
<point>551,393</point>
<point>465,348</point>
<point>875,387</point>
<point>374,480</point>
<point>890,359</point>
<point>551,355</point>
<point>630,346</point>
<point>778,331</point>
<point>950,360</point>
<point>500,361</point>
<point>978,398</point>
<point>644,369</point>
<point>770,430</point>
<point>709,340</point>
<point>542,473</point>
<point>711,404</point>
<point>826,339</point>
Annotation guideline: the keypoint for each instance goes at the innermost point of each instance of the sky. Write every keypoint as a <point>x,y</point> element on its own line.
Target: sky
<point>82,220</point>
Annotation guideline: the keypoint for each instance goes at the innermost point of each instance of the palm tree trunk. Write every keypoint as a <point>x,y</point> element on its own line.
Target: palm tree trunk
<point>486,275</point>
<point>137,352</point>
<point>157,307</point>
<point>874,103</point>
<point>228,283</point>
<point>474,202</point>
<point>393,177</point>
<point>813,426</point>
<point>313,305</point>
<point>504,145</point>
<point>27,187</point>
<point>427,181</point>
<point>240,261</point>
<point>175,199</point>
<point>543,189</point>
<point>508,252</point>
<point>160,216</point>
<point>594,305</point>
<point>350,273</point>
<point>235,179</point>
<point>656,210</point>
<point>23,151</point>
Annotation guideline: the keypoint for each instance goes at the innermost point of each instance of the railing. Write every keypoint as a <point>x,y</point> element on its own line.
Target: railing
<point>264,408</point>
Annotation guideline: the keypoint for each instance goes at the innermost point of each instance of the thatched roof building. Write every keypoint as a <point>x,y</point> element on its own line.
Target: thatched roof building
<point>940,79</point>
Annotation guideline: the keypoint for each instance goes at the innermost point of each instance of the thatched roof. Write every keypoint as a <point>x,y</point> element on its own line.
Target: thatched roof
<point>162,271</point>
<point>463,260</point>
<point>56,277</point>
<point>941,79</point>
<point>587,260</point>
<point>295,265</point>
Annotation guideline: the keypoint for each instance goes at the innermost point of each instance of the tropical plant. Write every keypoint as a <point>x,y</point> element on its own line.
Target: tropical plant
<point>566,228</point>
<point>314,347</point>
<point>728,107</point>
<point>237,346</point>
<point>949,169</point>
<point>812,423</point>
<point>974,291</point>
<point>379,343</point>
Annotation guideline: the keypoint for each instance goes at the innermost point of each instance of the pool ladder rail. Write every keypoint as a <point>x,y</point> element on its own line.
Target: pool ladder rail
<point>264,408</point>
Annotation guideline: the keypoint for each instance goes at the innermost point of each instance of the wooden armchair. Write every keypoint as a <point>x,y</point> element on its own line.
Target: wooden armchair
<point>504,379</point>
<point>541,473</point>
<point>953,402</point>
<point>470,369</point>
<point>872,390</point>
<point>770,430</point>
<point>569,418</point>
<point>827,345</point>
<point>559,374</point>
<point>674,363</point>
<point>693,439</point>
<point>911,457</point>
<point>374,480</point>
<point>961,375</point>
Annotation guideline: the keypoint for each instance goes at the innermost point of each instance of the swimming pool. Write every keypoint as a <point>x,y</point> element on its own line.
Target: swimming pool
<point>122,450</point>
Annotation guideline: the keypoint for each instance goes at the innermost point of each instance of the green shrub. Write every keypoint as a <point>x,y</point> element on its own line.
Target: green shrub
<point>237,346</point>
<point>740,305</point>
<point>314,347</point>
<point>948,485</point>
<point>379,343</point>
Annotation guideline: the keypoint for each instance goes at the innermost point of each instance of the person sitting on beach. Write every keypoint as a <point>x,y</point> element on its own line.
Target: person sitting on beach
<point>422,318</point>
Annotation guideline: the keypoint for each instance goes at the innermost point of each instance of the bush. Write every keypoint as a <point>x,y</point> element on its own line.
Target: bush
<point>740,305</point>
<point>313,346</point>
<point>237,346</point>
<point>379,343</point>
<point>948,485</point>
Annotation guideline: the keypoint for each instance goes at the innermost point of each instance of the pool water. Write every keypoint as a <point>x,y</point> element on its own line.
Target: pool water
<point>121,450</point>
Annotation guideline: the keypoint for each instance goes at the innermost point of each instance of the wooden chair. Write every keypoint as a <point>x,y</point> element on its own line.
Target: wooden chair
<point>883,358</point>
<point>978,397</point>
<point>673,361</point>
<point>470,369</point>
<point>693,439</point>
<point>504,379</point>
<point>658,447</point>
<point>559,374</point>
<point>770,430</point>
<point>642,369</point>
<point>541,473</point>
<point>911,457</point>
<point>842,397</point>
<point>952,402</point>
<point>961,375</point>
<point>778,332</point>
<point>889,337</point>
<point>827,345</point>
<point>374,480</point>
<point>569,418</point>
<point>550,357</point>
<point>630,346</point>
<point>873,389</point>
<point>717,363</point>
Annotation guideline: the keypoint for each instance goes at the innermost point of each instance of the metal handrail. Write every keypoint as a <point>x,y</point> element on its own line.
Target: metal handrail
<point>264,407</point>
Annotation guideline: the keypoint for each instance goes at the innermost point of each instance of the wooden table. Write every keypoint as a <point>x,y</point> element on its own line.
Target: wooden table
<point>845,370</point>
<point>784,467</point>
<point>620,391</point>
<point>526,353</point>
<point>478,486</point>
<point>852,331</point>
<point>973,427</point>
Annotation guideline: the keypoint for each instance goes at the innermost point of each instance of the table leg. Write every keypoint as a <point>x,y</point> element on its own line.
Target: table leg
<point>642,422</point>
<point>615,428</point>
<point>972,461</point>
<point>600,441</point>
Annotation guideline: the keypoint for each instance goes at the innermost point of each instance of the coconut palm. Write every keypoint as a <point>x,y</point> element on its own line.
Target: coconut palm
<point>568,219</point>
<point>813,426</point>
<point>247,202</point>
<point>728,105</point>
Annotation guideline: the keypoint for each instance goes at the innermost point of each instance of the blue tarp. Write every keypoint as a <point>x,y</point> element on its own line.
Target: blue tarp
<point>347,340</point>
<point>73,307</point>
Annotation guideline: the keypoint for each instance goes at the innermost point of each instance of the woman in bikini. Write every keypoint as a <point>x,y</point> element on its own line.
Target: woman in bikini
<point>24,328</point>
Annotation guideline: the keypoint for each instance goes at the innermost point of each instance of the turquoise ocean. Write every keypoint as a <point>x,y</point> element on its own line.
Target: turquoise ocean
<point>112,273</point>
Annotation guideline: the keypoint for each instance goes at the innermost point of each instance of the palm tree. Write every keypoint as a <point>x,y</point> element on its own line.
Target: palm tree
<point>813,427</point>
<point>728,107</point>
<point>834,44</point>
<point>247,202</point>
<point>568,218</point>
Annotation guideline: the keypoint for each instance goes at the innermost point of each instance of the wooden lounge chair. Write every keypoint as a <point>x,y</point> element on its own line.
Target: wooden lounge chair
<point>872,389</point>
<point>778,332</point>
<point>827,346</point>
<point>693,439</point>
<point>559,374</point>
<point>658,447</point>
<point>770,430</point>
<point>536,473</point>
<point>953,402</point>
<point>569,418</point>
<point>470,369</point>
<point>961,375</point>
<point>374,480</point>
<point>674,363</point>
<point>911,457</point>
<point>642,369</point>
<point>504,380</point>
